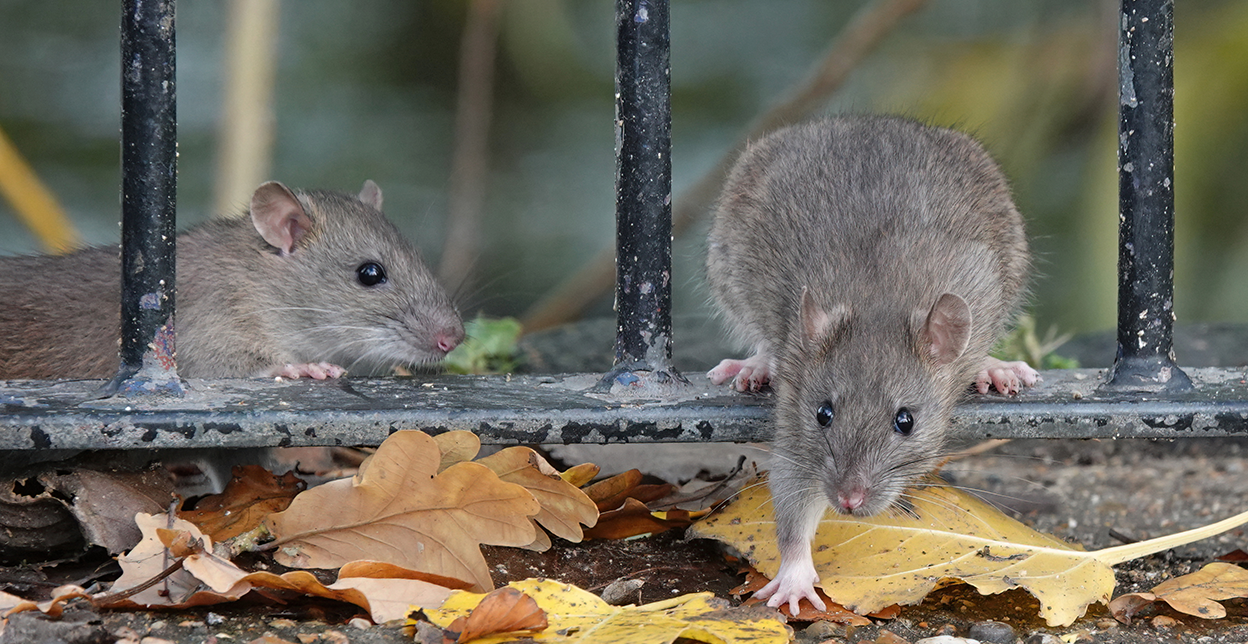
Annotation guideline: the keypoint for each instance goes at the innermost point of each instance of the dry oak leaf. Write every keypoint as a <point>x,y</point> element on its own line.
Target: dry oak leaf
<point>12,604</point>
<point>564,506</point>
<point>868,563</point>
<point>505,610</point>
<point>576,615</point>
<point>634,518</point>
<point>151,557</point>
<point>1196,593</point>
<point>251,495</point>
<point>400,509</point>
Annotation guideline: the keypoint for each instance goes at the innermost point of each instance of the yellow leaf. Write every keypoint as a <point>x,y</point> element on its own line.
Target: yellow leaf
<point>868,563</point>
<point>399,509</point>
<point>575,615</point>
<point>580,475</point>
<point>1194,594</point>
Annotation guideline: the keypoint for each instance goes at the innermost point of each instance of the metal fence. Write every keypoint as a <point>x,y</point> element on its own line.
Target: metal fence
<point>1144,395</point>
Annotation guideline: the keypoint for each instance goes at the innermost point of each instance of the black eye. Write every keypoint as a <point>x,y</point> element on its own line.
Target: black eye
<point>904,423</point>
<point>824,414</point>
<point>371,274</point>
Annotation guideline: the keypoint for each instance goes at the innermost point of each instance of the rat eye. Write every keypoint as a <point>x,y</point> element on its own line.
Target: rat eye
<point>824,414</point>
<point>370,274</point>
<point>903,423</point>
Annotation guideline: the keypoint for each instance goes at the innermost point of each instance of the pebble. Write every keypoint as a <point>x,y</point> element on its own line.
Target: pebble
<point>1042,638</point>
<point>824,630</point>
<point>1164,621</point>
<point>994,632</point>
<point>889,637</point>
<point>282,622</point>
<point>360,623</point>
<point>946,639</point>
<point>213,619</point>
<point>1107,624</point>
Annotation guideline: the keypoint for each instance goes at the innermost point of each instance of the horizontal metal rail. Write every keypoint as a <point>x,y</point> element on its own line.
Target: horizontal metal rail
<point>557,409</point>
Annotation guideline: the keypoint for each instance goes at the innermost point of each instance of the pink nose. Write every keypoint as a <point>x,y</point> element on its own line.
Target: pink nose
<point>448,339</point>
<point>851,500</point>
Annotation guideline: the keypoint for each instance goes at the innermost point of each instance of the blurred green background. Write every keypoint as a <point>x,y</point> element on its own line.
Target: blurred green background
<point>367,90</point>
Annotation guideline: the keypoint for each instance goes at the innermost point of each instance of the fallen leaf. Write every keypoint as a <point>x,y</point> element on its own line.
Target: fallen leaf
<point>610,493</point>
<point>1195,594</point>
<point>250,496</point>
<point>12,604</point>
<point>580,475</point>
<point>563,507</point>
<point>634,518</point>
<point>575,615</point>
<point>401,510</point>
<point>866,564</point>
<point>1235,556</point>
<point>505,610</point>
<point>456,447</point>
<point>150,558</point>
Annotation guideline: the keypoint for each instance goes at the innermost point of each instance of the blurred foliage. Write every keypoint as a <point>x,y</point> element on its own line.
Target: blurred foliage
<point>1022,343</point>
<point>367,90</point>
<point>490,347</point>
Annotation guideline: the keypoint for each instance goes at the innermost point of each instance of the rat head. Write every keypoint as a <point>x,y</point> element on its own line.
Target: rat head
<point>348,288</point>
<point>868,408</point>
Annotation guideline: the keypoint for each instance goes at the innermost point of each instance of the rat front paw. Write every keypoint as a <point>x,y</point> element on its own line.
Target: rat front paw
<point>750,374</point>
<point>317,371</point>
<point>1006,377</point>
<point>791,585</point>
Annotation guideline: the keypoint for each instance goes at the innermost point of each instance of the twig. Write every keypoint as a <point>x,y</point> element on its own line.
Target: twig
<point>109,599</point>
<point>865,30</point>
<point>470,158</point>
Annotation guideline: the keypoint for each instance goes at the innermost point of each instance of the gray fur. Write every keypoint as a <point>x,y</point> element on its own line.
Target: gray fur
<point>878,217</point>
<point>243,307</point>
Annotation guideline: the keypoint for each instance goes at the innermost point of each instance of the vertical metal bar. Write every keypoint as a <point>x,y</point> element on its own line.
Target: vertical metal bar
<point>148,195</point>
<point>643,190</point>
<point>1146,199</point>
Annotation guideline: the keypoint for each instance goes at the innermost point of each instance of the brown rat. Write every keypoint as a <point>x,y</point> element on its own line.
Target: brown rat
<point>309,284</point>
<point>870,262</point>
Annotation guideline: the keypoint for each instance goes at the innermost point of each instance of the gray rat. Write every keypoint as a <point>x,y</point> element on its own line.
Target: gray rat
<point>870,262</point>
<point>309,284</point>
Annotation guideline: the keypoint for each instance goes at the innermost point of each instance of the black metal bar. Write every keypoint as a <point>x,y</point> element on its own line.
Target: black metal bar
<point>643,190</point>
<point>149,166</point>
<point>1145,357</point>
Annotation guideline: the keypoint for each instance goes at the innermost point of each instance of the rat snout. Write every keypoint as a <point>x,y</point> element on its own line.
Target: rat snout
<point>449,337</point>
<point>851,499</point>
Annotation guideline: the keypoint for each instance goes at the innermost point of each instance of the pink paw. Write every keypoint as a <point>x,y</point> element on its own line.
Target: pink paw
<point>747,375</point>
<point>791,585</point>
<point>1006,377</point>
<point>317,371</point>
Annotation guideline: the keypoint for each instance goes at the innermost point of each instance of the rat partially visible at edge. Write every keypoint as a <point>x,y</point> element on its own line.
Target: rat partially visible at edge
<point>870,263</point>
<point>311,283</point>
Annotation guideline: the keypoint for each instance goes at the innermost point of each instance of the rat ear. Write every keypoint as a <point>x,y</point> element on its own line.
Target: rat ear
<point>371,194</point>
<point>279,217</point>
<point>948,328</point>
<point>818,323</point>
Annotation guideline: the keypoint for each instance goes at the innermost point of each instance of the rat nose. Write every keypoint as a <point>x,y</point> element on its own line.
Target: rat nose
<point>449,338</point>
<point>851,500</point>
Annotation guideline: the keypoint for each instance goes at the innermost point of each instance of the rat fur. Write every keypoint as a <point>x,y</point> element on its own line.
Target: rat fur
<point>282,291</point>
<point>870,263</point>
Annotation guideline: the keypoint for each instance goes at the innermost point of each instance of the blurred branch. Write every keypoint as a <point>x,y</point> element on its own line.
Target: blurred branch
<point>470,158</point>
<point>247,125</point>
<point>865,30</point>
<point>34,203</point>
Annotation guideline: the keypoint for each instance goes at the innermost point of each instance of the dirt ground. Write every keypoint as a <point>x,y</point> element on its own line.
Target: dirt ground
<point>1092,493</point>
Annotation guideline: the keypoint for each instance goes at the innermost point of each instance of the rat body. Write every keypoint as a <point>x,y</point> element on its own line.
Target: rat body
<point>870,263</point>
<point>307,284</point>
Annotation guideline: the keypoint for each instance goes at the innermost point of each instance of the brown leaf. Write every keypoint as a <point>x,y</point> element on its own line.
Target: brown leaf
<point>610,493</point>
<point>505,610</point>
<point>634,518</point>
<point>564,507</point>
<point>399,509</point>
<point>1235,556</point>
<point>150,558</point>
<point>249,497</point>
<point>807,612</point>
<point>457,447</point>
<point>1195,594</point>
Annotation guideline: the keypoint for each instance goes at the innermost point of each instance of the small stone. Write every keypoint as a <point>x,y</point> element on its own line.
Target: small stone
<point>191,623</point>
<point>213,619</point>
<point>360,623</point>
<point>995,632</point>
<point>821,630</point>
<point>282,622</point>
<point>307,638</point>
<point>946,639</point>
<point>889,637</point>
<point>622,591</point>
<point>1107,624</point>
<point>1164,621</point>
<point>1042,638</point>
<point>335,637</point>
<point>155,640</point>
